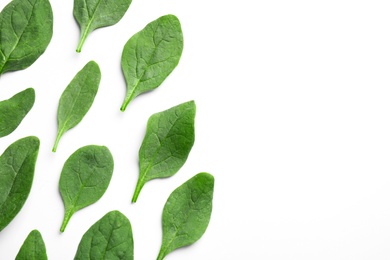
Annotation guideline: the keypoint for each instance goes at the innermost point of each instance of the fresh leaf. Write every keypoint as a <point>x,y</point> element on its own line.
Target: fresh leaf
<point>92,14</point>
<point>13,110</point>
<point>17,165</point>
<point>109,238</point>
<point>187,213</point>
<point>151,55</point>
<point>26,28</point>
<point>33,247</point>
<point>84,178</point>
<point>169,138</point>
<point>77,99</point>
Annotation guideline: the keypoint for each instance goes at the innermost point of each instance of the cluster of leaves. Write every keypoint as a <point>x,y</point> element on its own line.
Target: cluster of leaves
<point>148,58</point>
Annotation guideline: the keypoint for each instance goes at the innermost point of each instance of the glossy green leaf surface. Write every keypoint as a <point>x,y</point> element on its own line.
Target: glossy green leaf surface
<point>26,28</point>
<point>93,14</point>
<point>77,99</point>
<point>33,247</point>
<point>17,166</point>
<point>13,110</point>
<point>187,213</point>
<point>169,138</point>
<point>151,55</point>
<point>109,238</point>
<point>84,178</point>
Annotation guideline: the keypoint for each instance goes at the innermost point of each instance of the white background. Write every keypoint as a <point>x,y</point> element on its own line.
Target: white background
<point>293,120</point>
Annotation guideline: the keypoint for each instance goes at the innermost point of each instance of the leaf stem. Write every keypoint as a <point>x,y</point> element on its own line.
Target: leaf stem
<point>59,135</point>
<point>137,191</point>
<point>68,215</point>
<point>161,254</point>
<point>127,100</point>
<point>125,104</point>
<point>82,40</point>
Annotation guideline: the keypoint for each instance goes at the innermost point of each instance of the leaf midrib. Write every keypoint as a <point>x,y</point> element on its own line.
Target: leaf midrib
<point>93,16</point>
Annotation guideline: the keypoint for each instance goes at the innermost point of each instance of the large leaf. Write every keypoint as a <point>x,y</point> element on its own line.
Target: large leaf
<point>17,166</point>
<point>77,99</point>
<point>26,28</point>
<point>84,178</point>
<point>151,55</point>
<point>187,213</point>
<point>169,138</point>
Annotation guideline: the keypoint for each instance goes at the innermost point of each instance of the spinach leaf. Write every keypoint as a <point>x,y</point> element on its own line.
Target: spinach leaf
<point>110,237</point>
<point>84,178</point>
<point>13,110</point>
<point>169,138</point>
<point>187,213</point>
<point>77,99</point>
<point>151,55</point>
<point>33,247</point>
<point>17,165</point>
<point>26,28</point>
<point>92,14</point>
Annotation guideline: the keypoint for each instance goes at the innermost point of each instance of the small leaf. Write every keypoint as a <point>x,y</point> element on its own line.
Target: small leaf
<point>92,14</point>
<point>85,178</point>
<point>26,28</point>
<point>17,166</point>
<point>33,247</point>
<point>169,138</point>
<point>77,99</point>
<point>187,213</point>
<point>109,238</point>
<point>14,110</point>
<point>151,55</point>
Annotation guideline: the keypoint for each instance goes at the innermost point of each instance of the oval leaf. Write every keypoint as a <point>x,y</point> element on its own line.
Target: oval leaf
<point>13,110</point>
<point>169,138</point>
<point>17,166</point>
<point>26,28</point>
<point>151,55</point>
<point>187,213</point>
<point>84,178</point>
<point>109,238</point>
<point>77,99</point>
<point>91,14</point>
<point>33,247</point>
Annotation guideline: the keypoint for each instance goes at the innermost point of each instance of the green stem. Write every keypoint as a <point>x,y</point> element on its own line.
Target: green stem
<point>68,215</point>
<point>125,104</point>
<point>137,191</point>
<point>59,135</point>
<point>82,40</point>
<point>127,100</point>
<point>161,254</point>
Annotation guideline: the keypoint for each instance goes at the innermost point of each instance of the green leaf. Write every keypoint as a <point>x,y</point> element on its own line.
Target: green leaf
<point>169,138</point>
<point>13,110</point>
<point>33,247</point>
<point>93,14</point>
<point>109,238</point>
<point>151,55</point>
<point>17,165</point>
<point>187,213</point>
<point>26,28</point>
<point>77,99</point>
<point>84,178</point>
